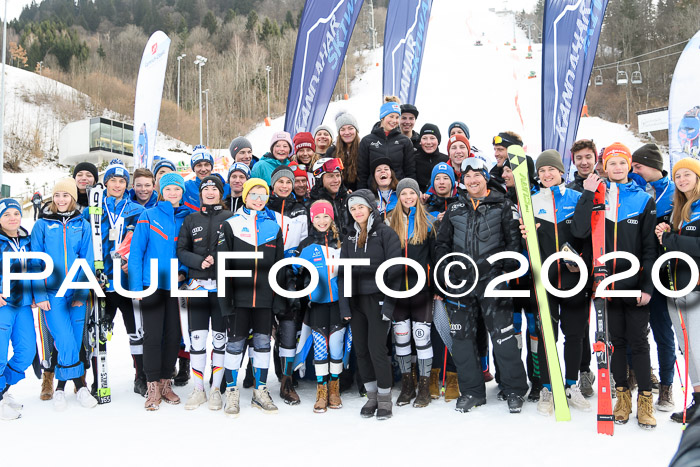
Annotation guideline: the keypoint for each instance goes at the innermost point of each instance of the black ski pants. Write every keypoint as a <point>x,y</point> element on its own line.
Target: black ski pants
<point>627,326</point>
<point>161,334</point>
<point>369,333</point>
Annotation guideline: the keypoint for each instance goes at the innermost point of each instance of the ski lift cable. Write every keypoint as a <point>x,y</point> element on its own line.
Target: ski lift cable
<point>608,65</point>
<point>617,64</point>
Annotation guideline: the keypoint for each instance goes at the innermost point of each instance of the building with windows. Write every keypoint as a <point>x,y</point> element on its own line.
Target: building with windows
<point>96,140</point>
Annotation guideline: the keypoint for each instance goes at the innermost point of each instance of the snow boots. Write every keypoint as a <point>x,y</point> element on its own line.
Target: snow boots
<point>287,392</point>
<point>183,375</point>
<point>408,390</point>
<point>451,387</point>
<point>167,391</point>
<point>46,386</point>
<point>623,406</point>
<point>434,385</point>
<point>423,397</point>
<point>153,397</point>
<point>665,401</point>
<point>321,404</point>
<point>645,410</point>
<point>370,407</point>
<point>334,401</point>
<point>384,406</point>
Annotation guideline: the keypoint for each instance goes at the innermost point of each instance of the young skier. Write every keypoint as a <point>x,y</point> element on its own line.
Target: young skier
<point>248,302</point>
<point>64,235</point>
<point>238,174</point>
<point>413,316</point>
<point>155,237</point>
<point>371,311</point>
<point>202,163</point>
<point>346,148</point>
<point>328,330</point>
<point>384,183</point>
<point>196,249</point>
<point>281,148</point>
<point>16,320</point>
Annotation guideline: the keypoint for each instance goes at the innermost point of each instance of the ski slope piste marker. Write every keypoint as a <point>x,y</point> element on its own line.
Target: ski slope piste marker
<point>601,346</point>
<point>101,331</point>
<point>518,163</point>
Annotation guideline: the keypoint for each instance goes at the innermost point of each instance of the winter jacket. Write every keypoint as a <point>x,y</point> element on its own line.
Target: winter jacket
<point>687,240</point>
<point>318,248</point>
<point>415,140</point>
<point>424,167</point>
<point>293,219</point>
<point>577,183</point>
<point>664,188</point>
<point>198,238</point>
<point>233,203</point>
<point>478,229</point>
<point>264,168</point>
<point>251,231</point>
<point>191,196</point>
<point>555,210</point>
<point>340,212</point>
<point>394,146</point>
<point>423,253</point>
<point>156,237</point>
<point>149,204</point>
<point>630,219</point>
<point>126,213</point>
<point>386,204</point>
<point>20,293</point>
<point>65,237</point>
<point>382,244</point>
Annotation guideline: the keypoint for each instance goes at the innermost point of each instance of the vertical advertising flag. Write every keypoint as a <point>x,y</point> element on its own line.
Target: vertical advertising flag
<point>569,41</point>
<point>149,92</point>
<point>323,39</point>
<point>684,104</point>
<point>404,42</point>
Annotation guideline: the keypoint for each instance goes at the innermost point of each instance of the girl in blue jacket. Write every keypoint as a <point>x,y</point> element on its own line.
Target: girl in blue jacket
<point>16,320</point>
<point>156,236</point>
<point>63,234</point>
<point>328,330</point>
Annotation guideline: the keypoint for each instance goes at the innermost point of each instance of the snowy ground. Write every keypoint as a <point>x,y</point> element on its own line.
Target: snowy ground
<point>477,85</point>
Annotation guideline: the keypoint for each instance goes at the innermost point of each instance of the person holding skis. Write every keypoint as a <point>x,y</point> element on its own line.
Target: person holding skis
<point>630,221</point>
<point>554,209</point>
<point>16,319</point>
<point>386,140</point>
<point>371,311</point>
<point>413,316</point>
<point>249,302</point>
<point>327,328</point>
<point>63,234</point>
<point>155,237</point>
<point>482,223</point>
<point>648,163</point>
<point>292,217</point>
<point>196,249</point>
<point>500,150</point>
<point>346,148</point>
<point>281,148</point>
<point>238,174</point>
<point>682,234</point>
<point>428,155</point>
<point>119,218</point>
<point>143,191</point>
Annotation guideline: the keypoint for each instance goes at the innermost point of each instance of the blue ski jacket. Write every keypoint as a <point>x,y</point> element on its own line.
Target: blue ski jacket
<point>264,168</point>
<point>155,236</point>
<point>149,204</point>
<point>318,248</point>
<point>20,291</point>
<point>65,237</point>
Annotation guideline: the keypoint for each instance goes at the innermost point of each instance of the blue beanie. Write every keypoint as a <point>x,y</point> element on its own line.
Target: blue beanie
<point>442,168</point>
<point>171,178</point>
<point>163,163</point>
<point>241,167</point>
<point>388,108</point>
<point>201,153</point>
<point>9,203</point>
<point>461,125</point>
<point>116,169</point>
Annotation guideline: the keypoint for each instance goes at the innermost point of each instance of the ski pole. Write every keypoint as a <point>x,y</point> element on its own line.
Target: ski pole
<point>685,357</point>
<point>680,378</point>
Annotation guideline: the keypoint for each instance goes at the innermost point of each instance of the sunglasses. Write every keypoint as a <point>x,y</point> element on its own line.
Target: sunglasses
<point>333,165</point>
<point>258,196</point>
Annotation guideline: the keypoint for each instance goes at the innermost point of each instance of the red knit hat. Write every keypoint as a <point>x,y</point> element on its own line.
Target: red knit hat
<point>617,150</point>
<point>459,137</point>
<point>304,139</point>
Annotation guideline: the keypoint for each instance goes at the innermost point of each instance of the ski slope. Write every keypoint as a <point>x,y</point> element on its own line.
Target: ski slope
<point>477,85</point>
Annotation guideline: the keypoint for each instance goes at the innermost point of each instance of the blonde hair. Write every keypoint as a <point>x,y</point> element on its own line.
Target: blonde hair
<point>392,99</point>
<point>333,228</point>
<point>421,225</point>
<point>683,204</point>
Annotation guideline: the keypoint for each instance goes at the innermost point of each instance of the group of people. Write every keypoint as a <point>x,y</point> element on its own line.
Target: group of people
<point>391,194</point>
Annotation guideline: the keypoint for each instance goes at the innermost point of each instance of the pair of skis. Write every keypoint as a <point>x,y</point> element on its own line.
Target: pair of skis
<point>518,162</point>
<point>100,328</point>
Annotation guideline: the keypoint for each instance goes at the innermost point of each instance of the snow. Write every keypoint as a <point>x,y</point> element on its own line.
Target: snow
<point>477,85</point>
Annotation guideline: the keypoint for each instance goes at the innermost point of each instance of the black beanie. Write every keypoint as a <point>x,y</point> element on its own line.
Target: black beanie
<point>212,180</point>
<point>409,109</point>
<point>86,166</point>
<point>649,155</point>
<point>430,129</point>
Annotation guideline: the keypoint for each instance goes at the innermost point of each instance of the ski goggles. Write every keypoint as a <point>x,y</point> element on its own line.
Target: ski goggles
<point>473,163</point>
<point>333,165</point>
<point>258,196</point>
<point>298,169</point>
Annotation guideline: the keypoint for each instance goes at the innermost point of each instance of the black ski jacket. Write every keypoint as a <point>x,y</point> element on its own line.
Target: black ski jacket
<point>382,244</point>
<point>395,146</point>
<point>424,166</point>
<point>199,236</point>
<point>687,240</point>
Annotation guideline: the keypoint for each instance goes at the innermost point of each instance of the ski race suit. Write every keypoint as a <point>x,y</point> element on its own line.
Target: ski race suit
<point>480,229</point>
<point>198,239</point>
